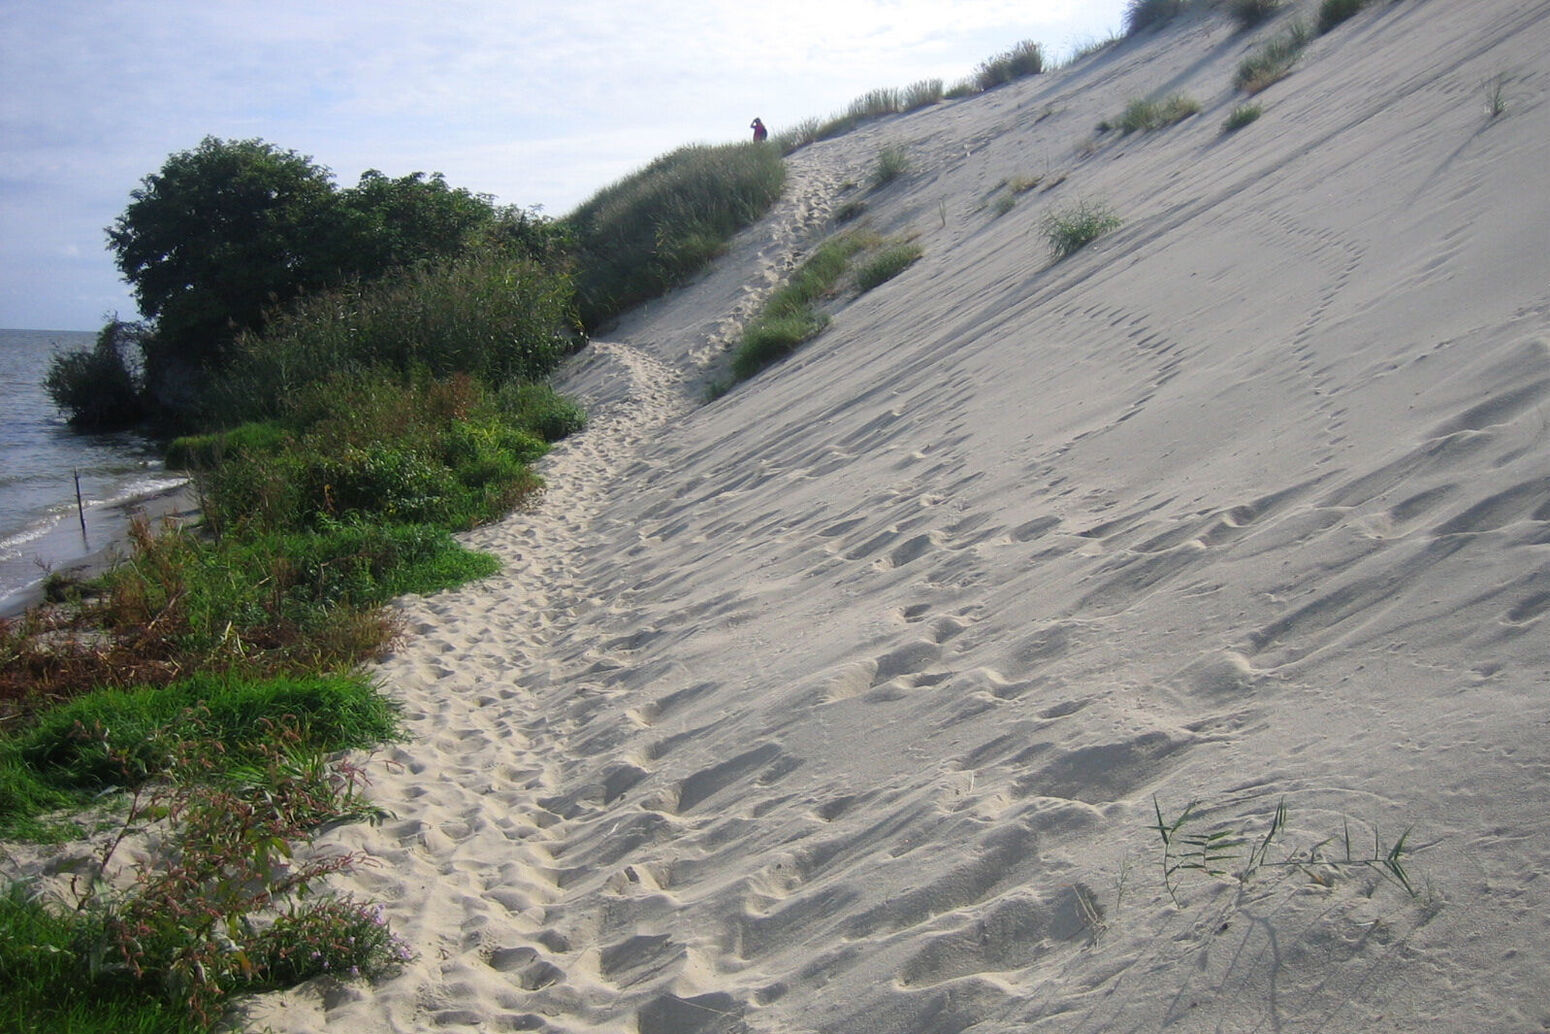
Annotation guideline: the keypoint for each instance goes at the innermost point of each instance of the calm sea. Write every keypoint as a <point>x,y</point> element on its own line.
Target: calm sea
<point>39,457</point>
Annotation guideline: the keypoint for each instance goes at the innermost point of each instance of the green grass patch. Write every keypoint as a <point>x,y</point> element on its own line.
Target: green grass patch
<point>1249,13</point>
<point>118,739</point>
<point>791,317</point>
<point>1241,116</point>
<point>1141,15</point>
<point>1273,61</point>
<point>1333,12</point>
<point>887,264</point>
<point>892,162</point>
<point>1070,228</point>
<point>647,233</point>
<point>1144,115</point>
<point>1024,59</point>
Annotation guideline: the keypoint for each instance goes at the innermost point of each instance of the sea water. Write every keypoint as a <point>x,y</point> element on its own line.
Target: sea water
<point>40,457</point>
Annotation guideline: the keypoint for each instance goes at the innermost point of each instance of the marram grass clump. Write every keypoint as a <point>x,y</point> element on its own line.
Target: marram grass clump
<point>1070,228</point>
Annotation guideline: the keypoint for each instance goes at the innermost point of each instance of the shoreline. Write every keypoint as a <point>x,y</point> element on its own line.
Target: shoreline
<point>66,551</point>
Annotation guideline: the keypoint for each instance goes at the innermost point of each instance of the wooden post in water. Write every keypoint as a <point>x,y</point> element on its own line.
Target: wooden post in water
<point>80,508</point>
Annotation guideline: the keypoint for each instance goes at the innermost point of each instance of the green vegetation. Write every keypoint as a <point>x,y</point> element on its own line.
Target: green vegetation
<point>1146,115</point>
<point>892,162</point>
<point>226,234</point>
<point>1227,851</point>
<point>886,264</point>
<point>1141,15</point>
<point>1024,59</point>
<point>650,231</point>
<point>1070,228</point>
<point>1333,12</point>
<point>99,387</point>
<point>1273,61</point>
<point>1249,13</point>
<point>230,910</point>
<point>791,316</point>
<point>1241,116</point>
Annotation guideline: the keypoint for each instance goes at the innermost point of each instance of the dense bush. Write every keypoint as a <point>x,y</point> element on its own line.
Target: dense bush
<point>99,388</point>
<point>646,233</point>
<point>226,235</point>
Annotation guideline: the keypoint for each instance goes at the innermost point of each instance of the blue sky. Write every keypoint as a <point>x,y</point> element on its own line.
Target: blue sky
<point>536,102</point>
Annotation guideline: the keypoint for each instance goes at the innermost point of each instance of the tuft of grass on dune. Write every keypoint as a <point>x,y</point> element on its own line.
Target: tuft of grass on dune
<point>1274,59</point>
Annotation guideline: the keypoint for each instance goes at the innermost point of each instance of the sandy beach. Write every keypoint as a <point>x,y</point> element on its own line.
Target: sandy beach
<point>846,703</point>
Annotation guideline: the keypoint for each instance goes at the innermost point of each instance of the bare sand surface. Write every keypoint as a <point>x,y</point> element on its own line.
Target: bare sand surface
<point>840,704</point>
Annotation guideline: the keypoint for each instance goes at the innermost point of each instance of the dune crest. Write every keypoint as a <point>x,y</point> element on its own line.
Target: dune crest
<point>840,704</point>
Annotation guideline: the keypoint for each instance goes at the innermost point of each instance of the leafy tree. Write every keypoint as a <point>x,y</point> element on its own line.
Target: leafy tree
<point>99,386</point>
<point>220,234</point>
<point>386,223</point>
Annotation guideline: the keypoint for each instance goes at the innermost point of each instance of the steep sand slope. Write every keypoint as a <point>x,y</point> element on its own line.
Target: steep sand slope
<point>840,704</point>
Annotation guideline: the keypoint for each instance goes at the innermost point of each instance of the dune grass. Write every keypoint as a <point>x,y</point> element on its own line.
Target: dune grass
<point>1020,61</point>
<point>1070,228</point>
<point>1274,60</point>
<point>1241,116</point>
<point>647,233</point>
<point>892,162</point>
<point>886,264</point>
<point>1333,12</point>
<point>1249,13</point>
<point>1228,851</point>
<point>1144,115</point>
<point>1141,15</point>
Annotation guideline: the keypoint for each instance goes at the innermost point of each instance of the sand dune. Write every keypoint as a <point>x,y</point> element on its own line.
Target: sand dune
<point>840,704</point>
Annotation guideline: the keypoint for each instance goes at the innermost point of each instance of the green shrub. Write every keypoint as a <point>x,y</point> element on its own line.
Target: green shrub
<point>207,451</point>
<point>538,408</point>
<point>790,317</point>
<point>1241,116</point>
<point>98,388</point>
<point>1333,12</point>
<point>1143,14</point>
<point>1024,59</point>
<point>886,265</point>
<point>1071,228</point>
<point>648,232</point>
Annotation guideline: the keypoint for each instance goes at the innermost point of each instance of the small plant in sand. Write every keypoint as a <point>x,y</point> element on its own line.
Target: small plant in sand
<point>1273,61</point>
<point>1143,115</point>
<point>1249,13</point>
<point>1495,91</point>
<point>1070,228</point>
<point>1241,116</point>
<point>1333,12</point>
<point>1229,852</point>
<point>1143,14</point>
<point>892,162</point>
